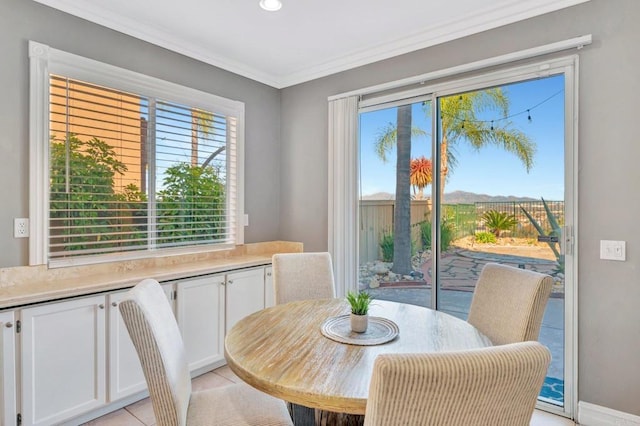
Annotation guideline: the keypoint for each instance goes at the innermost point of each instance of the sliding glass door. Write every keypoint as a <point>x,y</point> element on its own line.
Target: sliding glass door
<point>492,183</point>
<point>502,197</point>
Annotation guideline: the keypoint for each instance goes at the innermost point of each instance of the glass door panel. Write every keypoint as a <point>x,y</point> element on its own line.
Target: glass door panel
<point>501,157</point>
<point>502,197</point>
<point>395,202</point>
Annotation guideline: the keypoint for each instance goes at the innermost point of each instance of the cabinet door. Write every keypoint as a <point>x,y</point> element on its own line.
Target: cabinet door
<point>125,372</point>
<point>269,291</point>
<point>8,369</point>
<point>245,294</point>
<point>200,312</point>
<point>63,360</point>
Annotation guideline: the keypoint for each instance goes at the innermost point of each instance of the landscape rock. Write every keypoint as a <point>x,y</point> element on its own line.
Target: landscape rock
<point>374,283</point>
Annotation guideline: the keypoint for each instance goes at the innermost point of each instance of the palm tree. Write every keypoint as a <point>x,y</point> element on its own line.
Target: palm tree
<point>400,136</point>
<point>402,212</point>
<point>420,175</point>
<point>201,125</point>
<point>459,122</point>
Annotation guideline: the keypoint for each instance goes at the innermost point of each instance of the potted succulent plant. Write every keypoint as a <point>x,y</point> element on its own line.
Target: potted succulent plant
<point>359,310</point>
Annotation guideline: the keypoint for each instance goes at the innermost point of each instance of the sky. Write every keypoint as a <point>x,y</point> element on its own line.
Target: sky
<point>490,170</point>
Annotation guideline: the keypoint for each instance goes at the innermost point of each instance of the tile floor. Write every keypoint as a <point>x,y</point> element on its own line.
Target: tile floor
<point>141,412</point>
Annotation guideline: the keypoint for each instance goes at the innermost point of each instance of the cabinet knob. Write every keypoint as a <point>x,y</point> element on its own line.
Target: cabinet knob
<point>230,282</point>
<point>268,274</point>
<point>114,304</point>
<point>101,306</point>
<point>9,325</point>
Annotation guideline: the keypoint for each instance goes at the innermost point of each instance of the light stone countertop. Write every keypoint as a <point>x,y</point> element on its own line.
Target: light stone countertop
<point>33,284</point>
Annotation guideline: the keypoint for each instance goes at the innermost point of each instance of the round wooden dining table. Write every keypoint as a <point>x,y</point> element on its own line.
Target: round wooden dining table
<point>282,351</point>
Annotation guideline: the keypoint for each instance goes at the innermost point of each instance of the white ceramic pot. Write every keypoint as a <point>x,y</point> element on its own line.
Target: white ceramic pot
<point>359,323</point>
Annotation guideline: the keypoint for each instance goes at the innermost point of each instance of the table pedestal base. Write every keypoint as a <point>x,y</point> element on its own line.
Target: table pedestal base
<point>305,416</point>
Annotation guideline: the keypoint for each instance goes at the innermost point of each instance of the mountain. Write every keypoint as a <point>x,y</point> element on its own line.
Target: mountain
<point>458,197</point>
<point>462,197</point>
<point>379,196</point>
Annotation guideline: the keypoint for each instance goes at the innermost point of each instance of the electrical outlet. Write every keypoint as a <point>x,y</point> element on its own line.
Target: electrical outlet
<point>20,228</point>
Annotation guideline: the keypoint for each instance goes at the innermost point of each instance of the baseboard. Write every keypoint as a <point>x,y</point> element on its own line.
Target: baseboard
<point>596,415</point>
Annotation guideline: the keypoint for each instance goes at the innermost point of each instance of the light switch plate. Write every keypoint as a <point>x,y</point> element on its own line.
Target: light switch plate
<point>613,250</point>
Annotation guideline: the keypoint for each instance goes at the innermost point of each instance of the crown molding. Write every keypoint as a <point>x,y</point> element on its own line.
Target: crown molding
<point>157,36</point>
<point>462,27</point>
<point>443,33</point>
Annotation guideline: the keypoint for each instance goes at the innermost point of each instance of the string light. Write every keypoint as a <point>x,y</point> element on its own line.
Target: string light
<point>527,111</point>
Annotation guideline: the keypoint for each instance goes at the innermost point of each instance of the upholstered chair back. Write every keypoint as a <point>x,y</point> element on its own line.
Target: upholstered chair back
<point>495,386</point>
<point>156,337</point>
<point>301,276</point>
<point>508,303</point>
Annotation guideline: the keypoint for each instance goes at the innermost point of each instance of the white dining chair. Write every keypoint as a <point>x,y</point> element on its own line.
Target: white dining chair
<point>508,303</point>
<point>495,386</point>
<point>156,337</point>
<point>301,276</point>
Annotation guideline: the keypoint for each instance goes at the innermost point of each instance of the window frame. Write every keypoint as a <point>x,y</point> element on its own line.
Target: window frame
<point>44,61</point>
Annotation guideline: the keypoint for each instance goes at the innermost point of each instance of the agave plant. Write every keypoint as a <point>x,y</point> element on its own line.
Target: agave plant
<point>497,221</point>
<point>554,235</point>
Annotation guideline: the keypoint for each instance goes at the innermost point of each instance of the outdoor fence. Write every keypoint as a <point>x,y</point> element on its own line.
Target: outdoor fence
<point>376,219</point>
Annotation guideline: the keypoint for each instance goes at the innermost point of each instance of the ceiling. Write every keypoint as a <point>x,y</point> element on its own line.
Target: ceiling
<point>306,39</point>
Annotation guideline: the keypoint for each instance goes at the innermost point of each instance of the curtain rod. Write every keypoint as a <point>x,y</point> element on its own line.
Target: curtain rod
<point>576,42</point>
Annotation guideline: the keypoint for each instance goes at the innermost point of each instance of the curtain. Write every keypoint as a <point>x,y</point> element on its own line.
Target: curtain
<point>343,192</point>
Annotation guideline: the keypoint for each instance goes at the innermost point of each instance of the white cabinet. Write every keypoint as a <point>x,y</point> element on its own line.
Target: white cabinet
<point>7,369</point>
<point>200,313</point>
<point>76,355</point>
<point>245,294</point>
<point>125,372</point>
<point>269,291</point>
<point>63,360</point>
<point>208,306</point>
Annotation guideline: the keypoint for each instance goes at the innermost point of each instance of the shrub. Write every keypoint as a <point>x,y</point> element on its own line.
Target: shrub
<point>386,245</point>
<point>446,234</point>
<point>497,221</point>
<point>485,237</point>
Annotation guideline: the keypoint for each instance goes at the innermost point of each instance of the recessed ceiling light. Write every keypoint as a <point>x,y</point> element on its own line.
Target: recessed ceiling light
<point>271,5</point>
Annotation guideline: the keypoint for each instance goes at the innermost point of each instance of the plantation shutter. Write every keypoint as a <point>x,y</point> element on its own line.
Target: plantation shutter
<point>131,172</point>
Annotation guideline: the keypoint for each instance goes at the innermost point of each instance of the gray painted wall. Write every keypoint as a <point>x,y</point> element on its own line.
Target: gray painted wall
<point>286,181</point>
<point>24,20</point>
<point>609,151</point>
